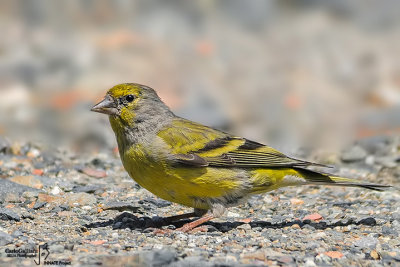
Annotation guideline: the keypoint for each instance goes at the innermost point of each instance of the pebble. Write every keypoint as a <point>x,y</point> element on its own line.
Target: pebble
<point>387,162</point>
<point>80,199</point>
<point>5,146</point>
<point>56,190</point>
<point>94,173</point>
<point>374,255</point>
<point>232,214</point>
<point>194,261</point>
<point>309,263</point>
<point>6,214</point>
<point>323,259</point>
<point>8,188</point>
<point>396,216</point>
<point>87,188</point>
<point>313,217</point>
<point>17,233</point>
<point>366,242</point>
<point>354,153</point>
<point>244,226</point>
<point>367,221</point>
<point>39,205</point>
<point>296,201</point>
<point>160,257</point>
<point>56,248</point>
<point>378,145</point>
<point>5,238</point>
<point>114,235</point>
<point>30,181</point>
<point>334,254</point>
<point>120,206</point>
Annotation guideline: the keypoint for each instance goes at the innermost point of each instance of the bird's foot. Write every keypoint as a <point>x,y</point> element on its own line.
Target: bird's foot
<point>188,227</point>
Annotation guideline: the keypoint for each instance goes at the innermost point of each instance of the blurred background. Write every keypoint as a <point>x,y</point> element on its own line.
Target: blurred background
<point>292,74</point>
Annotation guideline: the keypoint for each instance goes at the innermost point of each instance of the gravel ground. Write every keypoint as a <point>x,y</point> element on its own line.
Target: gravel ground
<point>89,212</point>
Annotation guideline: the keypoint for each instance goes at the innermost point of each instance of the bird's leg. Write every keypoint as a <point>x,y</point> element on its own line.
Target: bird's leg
<point>195,213</point>
<point>216,211</point>
<point>189,226</point>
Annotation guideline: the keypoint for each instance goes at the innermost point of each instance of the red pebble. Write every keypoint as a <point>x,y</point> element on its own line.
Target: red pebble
<point>313,217</point>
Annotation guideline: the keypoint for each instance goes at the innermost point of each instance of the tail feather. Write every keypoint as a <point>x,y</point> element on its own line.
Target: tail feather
<point>314,177</point>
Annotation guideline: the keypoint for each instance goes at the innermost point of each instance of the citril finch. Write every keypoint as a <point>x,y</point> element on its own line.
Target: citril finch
<point>194,165</point>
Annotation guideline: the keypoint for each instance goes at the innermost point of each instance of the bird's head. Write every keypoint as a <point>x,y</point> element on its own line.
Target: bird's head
<point>128,104</point>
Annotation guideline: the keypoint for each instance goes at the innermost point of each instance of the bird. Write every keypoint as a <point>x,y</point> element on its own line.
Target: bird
<point>195,165</point>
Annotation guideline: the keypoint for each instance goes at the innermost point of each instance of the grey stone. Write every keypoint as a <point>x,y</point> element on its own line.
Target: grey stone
<point>388,231</point>
<point>244,226</point>
<point>8,215</point>
<point>309,262</point>
<point>396,215</point>
<point>378,145</point>
<point>354,153</point>
<point>367,221</point>
<point>388,162</point>
<point>120,206</point>
<point>192,261</point>
<point>159,257</point>
<point>39,205</point>
<point>87,188</point>
<point>26,215</point>
<point>5,238</point>
<point>8,187</point>
<point>30,194</point>
<point>366,242</point>
<point>56,248</point>
<point>5,146</point>
<point>160,203</point>
<point>312,245</point>
<point>17,233</point>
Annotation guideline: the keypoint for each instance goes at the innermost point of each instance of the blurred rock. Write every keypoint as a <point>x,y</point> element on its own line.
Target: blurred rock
<point>7,187</point>
<point>6,214</point>
<point>5,146</point>
<point>159,257</point>
<point>120,206</point>
<point>5,238</point>
<point>354,153</point>
<point>366,242</point>
<point>88,188</point>
<point>377,145</point>
<point>80,199</point>
<point>30,181</point>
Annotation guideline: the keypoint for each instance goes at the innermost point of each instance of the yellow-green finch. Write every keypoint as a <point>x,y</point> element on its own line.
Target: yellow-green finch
<point>194,165</point>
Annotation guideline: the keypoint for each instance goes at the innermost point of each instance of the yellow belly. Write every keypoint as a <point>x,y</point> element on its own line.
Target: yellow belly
<point>181,185</point>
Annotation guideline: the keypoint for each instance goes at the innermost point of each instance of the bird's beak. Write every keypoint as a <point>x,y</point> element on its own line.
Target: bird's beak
<point>106,106</point>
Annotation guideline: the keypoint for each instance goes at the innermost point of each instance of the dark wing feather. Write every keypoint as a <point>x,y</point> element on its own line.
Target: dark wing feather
<point>191,159</point>
<point>254,159</point>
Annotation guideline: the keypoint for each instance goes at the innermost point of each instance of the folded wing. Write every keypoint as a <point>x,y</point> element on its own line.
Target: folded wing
<point>198,145</point>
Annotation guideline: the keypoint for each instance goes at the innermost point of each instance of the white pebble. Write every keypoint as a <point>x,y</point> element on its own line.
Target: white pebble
<point>56,190</point>
<point>232,214</point>
<point>115,235</point>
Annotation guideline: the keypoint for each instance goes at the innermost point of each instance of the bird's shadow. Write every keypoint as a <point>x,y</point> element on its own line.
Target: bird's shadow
<point>133,222</point>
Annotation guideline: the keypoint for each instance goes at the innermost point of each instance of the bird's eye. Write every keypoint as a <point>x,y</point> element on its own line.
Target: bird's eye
<point>130,98</point>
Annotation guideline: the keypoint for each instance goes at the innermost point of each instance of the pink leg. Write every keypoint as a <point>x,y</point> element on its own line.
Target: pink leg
<point>189,226</point>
